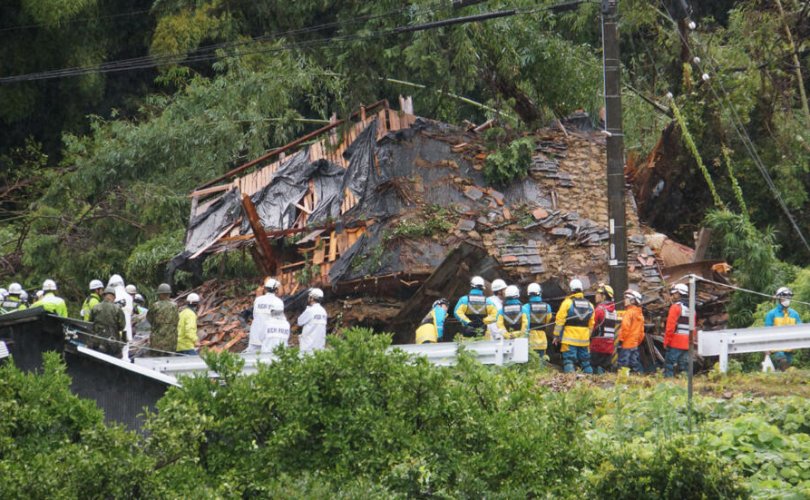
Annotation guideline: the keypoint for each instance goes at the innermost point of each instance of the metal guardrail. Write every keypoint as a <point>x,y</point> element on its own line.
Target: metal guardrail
<point>442,354</point>
<point>761,339</point>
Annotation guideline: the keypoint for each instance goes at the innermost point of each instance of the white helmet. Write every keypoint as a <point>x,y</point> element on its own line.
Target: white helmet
<point>15,289</point>
<point>634,296</point>
<point>193,298</point>
<point>138,298</point>
<point>316,293</point>
<point>512,292</point>
<point>130,289</point>
<point>24,296</point>
<point>575,285</point>
<point>534,289</point>
<point>477,282</point>
<point>116,280</point>
<point>498,285</point>
<point>95,285</point>
<point>680,288</point>
<point>40,293</point>
<point>784,292</point>
<point>3,292</point>
<point>271,284</point>
<point>49,285</point>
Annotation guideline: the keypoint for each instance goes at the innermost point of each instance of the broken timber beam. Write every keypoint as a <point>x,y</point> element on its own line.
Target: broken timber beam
<point>267,263</point>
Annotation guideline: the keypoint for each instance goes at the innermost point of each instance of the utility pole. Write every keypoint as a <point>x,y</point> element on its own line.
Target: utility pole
<point>617,258</point>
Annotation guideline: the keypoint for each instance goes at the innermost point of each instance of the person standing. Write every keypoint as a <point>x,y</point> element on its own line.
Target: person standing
<point>676,334</point>
<point>603,336</point>
<point>96,288</point>
<point>540,315</point>
<point>124,299</point>
<point>574,323</point>
<point>13,301</point>
<point>163,318</point>
<point>471,309</point>
<point>49,301</point>
<point>276,328</point>
<point>782,315</point>
<point>512,322</point>
<point>431,330</point>
<point>631,332</point>
<point>108,325</point>
<point>494,306</point>
<point>187,326</point>
<point>263,314</point>
<point>313,321</point>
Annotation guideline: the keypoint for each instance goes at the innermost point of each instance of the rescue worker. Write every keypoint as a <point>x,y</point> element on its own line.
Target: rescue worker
<point>676,334</point>
<point>471,309</point>
<point>539,314</point>
<point>164,318</point>
<point>131,290</point>
<point>49,301</point>
<point>603,336</point>
<point>24,298</point>
<point>313,321</point>
<point>276,327</point>
<point>13,301</point>
<point>108,325</point>
<point>123,299</point>
<point>631,332</point>
<point>265,309</point>
<point>96,288</point>
<point>782,315</point>
<point>139,310</point>
<point>513,321</point>
<point>187,326</point>
<point>431,330</point>
<point>574,323</point>
<point>494,305</point>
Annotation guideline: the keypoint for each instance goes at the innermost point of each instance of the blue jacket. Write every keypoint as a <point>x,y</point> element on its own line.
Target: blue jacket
<point>460,311</point>
<point>527,308</point>
<point>782,316</point>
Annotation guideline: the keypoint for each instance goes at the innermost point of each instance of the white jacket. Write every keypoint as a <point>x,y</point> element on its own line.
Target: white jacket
<point>262,308</point>
<point>313,319</point>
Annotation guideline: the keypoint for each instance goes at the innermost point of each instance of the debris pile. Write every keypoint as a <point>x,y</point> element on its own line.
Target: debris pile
<point>394,212</point>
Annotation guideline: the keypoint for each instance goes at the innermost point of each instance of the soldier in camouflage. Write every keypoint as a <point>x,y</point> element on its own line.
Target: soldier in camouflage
<point>108,323</point>
<point>163,317</point>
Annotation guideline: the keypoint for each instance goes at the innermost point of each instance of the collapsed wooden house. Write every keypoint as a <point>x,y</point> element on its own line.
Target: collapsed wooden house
<point>396,209</point>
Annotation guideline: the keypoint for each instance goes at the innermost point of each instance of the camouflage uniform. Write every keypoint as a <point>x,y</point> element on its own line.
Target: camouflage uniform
<point>108,322</point>
<point>163,317</point>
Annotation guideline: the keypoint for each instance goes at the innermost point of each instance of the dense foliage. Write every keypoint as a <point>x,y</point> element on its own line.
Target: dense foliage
<point>357,420</point>
<point>96,167</point>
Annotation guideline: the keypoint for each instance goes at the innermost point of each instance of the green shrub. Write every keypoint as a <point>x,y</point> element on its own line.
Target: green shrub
<point>674,469</point>
<point>509,163</point>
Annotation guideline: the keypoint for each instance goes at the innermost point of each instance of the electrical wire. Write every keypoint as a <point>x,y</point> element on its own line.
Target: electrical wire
<point>742,133</point>
<point>207,53</point>
<point>741,289</point>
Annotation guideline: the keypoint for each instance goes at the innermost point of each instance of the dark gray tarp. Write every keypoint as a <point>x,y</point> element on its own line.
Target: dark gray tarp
<point>328,191</point>
<point>205,227</point>
<point>275,203</point>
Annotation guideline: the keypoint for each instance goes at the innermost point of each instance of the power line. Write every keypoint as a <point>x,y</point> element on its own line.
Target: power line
<point>742,133</point>
<point>207,53</point>
<point>149,61</point>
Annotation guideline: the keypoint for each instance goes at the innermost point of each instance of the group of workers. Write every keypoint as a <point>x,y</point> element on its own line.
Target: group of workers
<point>115,310</point>
<point>270,327</point>
<point>594,338</point>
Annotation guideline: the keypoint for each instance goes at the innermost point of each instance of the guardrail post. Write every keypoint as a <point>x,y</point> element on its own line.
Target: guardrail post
<point>723,353</point>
